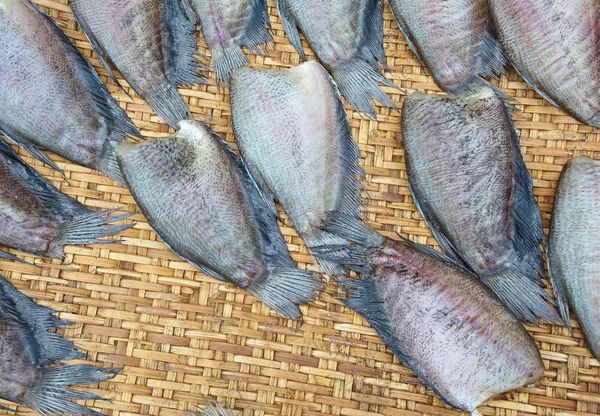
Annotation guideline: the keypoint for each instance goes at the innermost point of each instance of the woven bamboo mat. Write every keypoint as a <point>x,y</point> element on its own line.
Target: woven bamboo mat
<point>179,335</point>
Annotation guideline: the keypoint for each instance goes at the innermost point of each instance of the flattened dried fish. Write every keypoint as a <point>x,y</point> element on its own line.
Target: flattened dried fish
<point>453,39</point>
<point>51,96</point>
<point>293,134</point>
<point>347,37</point>
<point>37,218</point>
<point>151,43</point>
<point>229,25</point>
<point>441,322</point>
<point>30,373</point>
<point>468,178</point>
<point>553,44</point>
<point>199,199</point>
<point>573,258</point>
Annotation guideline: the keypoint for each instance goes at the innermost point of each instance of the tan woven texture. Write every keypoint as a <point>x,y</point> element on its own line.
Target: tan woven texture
<point>179,335</point>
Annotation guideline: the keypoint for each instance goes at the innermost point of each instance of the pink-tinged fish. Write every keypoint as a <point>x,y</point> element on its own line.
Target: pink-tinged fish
<point>469,180</point>
<point>31,370</point>
<point>150,42</point>
<point>37,218</point>
<point>554,45</point>
<point>200,200</point>
<point>293,134</point>
<point>347,37</point>
<point>438,319</point>
<point>228,26</point>
<point>52,97</point>
<point>573,258</point>
<point>453,39</point>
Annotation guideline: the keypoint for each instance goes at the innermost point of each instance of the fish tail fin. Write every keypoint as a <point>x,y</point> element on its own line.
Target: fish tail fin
<point>168,104</point>
<point>359,83</point>
<point>225,60</point>
<point>90,228</point>
<point>283,289</point>
<point>526,299</point>
<point>51,393</point>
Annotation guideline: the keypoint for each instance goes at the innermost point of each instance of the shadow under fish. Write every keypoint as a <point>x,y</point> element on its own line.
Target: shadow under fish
<point>52,97</point>
<point>37,218</point>
<point>30,373</point>
<point>200,200</point>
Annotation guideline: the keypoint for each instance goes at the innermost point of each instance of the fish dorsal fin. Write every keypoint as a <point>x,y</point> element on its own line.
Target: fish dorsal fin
<point>290,27</point>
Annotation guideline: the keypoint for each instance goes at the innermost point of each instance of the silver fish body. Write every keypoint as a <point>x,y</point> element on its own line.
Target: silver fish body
<point>230,25</point>
<point>469,180</point>
<point>453,39</point>
<point>199,199</point>
<point>150,42</point>
<point>347,37</point>
<point>37,218</point>
<point>293,134</point>
<point>553,44</point>
<point>573,259</point>
<point>439,320</point>
<point>52,97</point>
<point>30,370</point>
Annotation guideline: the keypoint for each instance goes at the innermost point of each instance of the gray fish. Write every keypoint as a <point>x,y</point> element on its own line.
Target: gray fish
<point>229,25</point>
<point>52,97</point>
<point>293,134</point>
<point>200,200</point>
<point>150,42</point>
<point>553,44</point>
<point>37,218</point>
<point>469,180</point>
<point>347,37</point>
<point>573,258</point>
<point>30,370</point>
<point>453,39</point>
<point>440,321</point>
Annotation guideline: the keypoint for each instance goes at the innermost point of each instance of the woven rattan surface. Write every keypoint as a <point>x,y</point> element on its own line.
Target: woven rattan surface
<point>179,335</point>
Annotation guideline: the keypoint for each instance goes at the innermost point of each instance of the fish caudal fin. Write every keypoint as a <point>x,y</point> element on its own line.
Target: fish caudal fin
<point>283,289</point>
<point>51,395</point>
<point>91,228</point>
<point>225,60</point>
<point>359,83</point>
<point>168,104</point>
<point>526,299</point>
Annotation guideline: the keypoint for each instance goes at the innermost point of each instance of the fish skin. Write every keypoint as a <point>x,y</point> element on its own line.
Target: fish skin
<point>347,37</point>
<point>452,39</point>
<point>37,218</point>
<point>485,216</point>
<point>439,320</point>
<point>293,134</point>
<point>227,26</point>
<point>51,95</point>
<point>30,372</point>
<point>572,255</point>
<point>210,213</point>
<point>553,44</point>
<point>150,42</point>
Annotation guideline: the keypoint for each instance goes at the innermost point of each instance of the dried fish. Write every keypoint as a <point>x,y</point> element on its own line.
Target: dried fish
<point>37,218</point>
<point>453,39</point>
<point>52,97</point>
<point>553,44</point>
<point>347,37</point>
<point>469,180</point>
<point>227,27</point>
<point>293,134</point>
<point>572,250</point>
<point>439,320</point>
<point>30,373</point>
<point>150,42</point>
<point>199,198</point>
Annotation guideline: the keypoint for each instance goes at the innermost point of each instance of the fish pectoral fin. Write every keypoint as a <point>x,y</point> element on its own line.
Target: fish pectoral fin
<point>290,27</point>
<point>52,392</point>
<point>30,147</point>
<point>283,289</point>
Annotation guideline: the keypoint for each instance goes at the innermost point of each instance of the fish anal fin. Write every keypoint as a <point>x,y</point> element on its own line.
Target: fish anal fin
<point>30,148</point>
<point>558,287</point>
